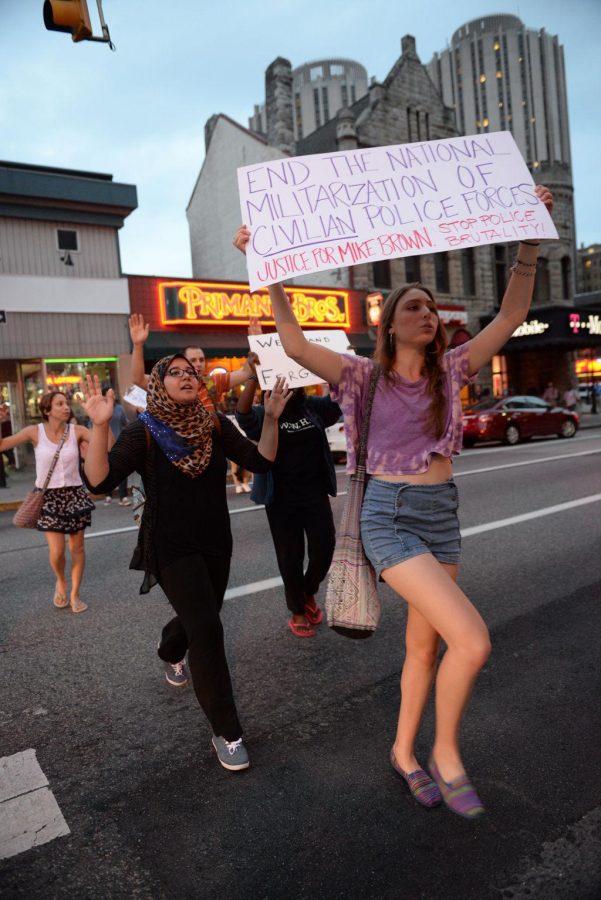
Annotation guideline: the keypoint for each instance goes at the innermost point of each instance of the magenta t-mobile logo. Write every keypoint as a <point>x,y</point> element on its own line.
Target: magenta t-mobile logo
<point>575,322</point>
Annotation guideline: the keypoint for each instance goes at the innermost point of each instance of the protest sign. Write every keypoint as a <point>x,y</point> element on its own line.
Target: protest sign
<point>273,361</point>
<point>310,213</point>
<point>136,396</point>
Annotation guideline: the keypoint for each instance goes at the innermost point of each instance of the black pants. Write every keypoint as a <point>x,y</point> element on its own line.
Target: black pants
<point>289,525</point>
<point>195,586</point>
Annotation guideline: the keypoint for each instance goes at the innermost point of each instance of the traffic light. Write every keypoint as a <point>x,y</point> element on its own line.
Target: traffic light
<point>373,308</point>
<point>71,16</point>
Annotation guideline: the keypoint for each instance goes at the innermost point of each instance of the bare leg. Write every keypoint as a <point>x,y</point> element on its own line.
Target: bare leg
<point>425,584</point>
<point>78,561</point>
<point>421,653</point>
<point>56,555</point>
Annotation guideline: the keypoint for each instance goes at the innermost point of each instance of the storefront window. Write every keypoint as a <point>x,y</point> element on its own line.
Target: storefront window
<point>500,382</point>
<point>32,379</point>
<point>66,375</point>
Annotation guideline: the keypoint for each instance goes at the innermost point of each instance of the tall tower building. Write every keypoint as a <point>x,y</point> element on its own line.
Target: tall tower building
<point>319,90</point>
<point>501,76</point>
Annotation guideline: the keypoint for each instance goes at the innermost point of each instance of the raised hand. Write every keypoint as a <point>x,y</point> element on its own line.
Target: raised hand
<point>98,408</point>
<point>545,196</point>
<point>138,330</point>
<point>241,238</point>
<point>254,326</point>
<point>276,399</point>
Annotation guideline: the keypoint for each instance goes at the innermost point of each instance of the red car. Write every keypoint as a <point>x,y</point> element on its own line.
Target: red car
<point>514,419</point>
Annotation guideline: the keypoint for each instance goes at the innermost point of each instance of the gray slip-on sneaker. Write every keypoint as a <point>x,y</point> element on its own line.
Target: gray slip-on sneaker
<point>231,754</point>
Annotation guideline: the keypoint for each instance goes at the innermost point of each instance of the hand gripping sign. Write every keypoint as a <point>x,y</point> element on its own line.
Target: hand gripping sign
<point>274,362</point>
<point>311,213</point>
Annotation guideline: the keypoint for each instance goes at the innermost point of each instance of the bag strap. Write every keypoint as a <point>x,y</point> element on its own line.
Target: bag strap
<point>373,382</point>
<point>55,457</point>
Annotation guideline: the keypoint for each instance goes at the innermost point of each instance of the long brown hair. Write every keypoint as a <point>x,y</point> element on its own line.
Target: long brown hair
<point>45,402</point>
<point>432,369</point>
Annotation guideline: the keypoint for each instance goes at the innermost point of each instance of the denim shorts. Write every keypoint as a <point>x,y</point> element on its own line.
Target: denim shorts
<point>402,520</point>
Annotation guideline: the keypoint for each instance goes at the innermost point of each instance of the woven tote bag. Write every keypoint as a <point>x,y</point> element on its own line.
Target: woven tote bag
<point>29,512</point>
<point>352,602</point>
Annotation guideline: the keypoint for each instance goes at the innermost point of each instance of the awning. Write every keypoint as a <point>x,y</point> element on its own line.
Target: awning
<point>225,342</point>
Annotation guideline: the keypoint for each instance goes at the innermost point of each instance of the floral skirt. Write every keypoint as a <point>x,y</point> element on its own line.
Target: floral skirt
<point>66,510</point>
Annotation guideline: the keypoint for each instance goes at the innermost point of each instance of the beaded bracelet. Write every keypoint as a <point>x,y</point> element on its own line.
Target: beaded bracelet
<point>531,243</point>
<point>531,273</point>
<point>529,265</point>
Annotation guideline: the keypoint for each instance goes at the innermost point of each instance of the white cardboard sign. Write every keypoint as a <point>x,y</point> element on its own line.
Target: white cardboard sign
<point>274,362</point>
<point>311,213</point>
<point>136,396</point>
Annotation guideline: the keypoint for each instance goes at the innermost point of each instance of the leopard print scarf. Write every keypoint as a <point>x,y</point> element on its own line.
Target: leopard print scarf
<point>190,421</point>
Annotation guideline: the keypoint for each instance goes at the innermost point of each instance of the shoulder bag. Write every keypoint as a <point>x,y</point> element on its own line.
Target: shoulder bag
<point>352,602</point>
<point>30,510</point>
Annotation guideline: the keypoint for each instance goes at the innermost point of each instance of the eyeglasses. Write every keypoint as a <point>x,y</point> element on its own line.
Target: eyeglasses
<point>176,372</point>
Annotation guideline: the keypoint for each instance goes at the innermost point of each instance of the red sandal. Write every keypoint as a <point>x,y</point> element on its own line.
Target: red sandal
<point>313,613</point>
<point>300,629</point>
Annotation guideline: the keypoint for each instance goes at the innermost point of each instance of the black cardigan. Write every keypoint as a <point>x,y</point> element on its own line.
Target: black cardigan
<point>136,451</point>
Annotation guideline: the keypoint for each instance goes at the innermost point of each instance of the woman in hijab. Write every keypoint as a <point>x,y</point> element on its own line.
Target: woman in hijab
<point>180,450</point>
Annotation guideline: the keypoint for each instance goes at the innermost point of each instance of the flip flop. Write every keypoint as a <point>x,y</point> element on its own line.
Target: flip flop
<point>313,613</point>
<point>59,600</point>
<point>300,629</point>
<point>79,606</point>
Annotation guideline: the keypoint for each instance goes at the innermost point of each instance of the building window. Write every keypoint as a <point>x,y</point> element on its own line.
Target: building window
<point>542,284</point>
<point>316,106</point>
<point>500,381</point>
<point>344,94</point>
<point>467,271</point>
<point>412,269</point>
<point>66,240</point>
<point>566,281</point>
<point>500,272</point>
<point>299,114</point>
<point>441,269</point>
<point>381,274</point>
<point>353,94</point>
<point>325,104</point>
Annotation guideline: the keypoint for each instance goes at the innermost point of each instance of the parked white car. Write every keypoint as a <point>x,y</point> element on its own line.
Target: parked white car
<point>336,440</point>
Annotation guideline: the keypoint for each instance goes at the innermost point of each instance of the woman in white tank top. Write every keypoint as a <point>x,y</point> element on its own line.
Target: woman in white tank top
<point>67,506</point>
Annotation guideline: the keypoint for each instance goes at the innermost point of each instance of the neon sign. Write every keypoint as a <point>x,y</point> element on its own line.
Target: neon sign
<point>215,303</point>
<point>592,324</point>
<point>63,379</point>
<point>526,329</point>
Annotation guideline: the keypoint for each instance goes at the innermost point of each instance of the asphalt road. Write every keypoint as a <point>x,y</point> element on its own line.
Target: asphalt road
<point>320,814</point>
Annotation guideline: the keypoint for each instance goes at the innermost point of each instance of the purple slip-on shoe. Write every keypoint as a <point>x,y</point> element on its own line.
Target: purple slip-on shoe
<point>419,783</point>
<point>459,795</point>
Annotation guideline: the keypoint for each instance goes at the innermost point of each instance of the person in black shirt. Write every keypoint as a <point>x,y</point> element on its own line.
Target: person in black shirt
<point>180,450</point>
<point>295,493</point>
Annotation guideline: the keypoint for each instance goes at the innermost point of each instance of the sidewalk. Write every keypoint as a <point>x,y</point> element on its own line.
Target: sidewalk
<point>21,482</point>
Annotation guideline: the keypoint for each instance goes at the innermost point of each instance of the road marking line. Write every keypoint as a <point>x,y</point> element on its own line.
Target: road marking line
<point>29,813</point>
<point>482,470</point>
<point>529,462</point>
<point>535,514</point>
<point>255,587</point>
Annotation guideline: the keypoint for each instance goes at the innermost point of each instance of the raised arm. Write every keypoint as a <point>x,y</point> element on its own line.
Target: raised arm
<point>319,360</point>
<point>138,331</point>
<point>516,300</point>
<point>29,433</point>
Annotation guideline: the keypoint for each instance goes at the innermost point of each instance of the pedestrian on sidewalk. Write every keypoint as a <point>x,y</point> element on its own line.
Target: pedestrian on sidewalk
<point>67,509</point>
<point>295,494</point>
<point>409,525</point>
<point>180,450</point>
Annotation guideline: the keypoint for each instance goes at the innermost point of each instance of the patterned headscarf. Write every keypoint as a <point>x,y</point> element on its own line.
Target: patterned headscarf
<point>178,426</point>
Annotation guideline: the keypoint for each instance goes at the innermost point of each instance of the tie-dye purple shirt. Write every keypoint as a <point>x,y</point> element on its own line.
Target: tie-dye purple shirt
<point>398,441</point>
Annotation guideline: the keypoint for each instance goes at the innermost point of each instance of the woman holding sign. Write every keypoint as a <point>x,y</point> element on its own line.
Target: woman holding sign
<point>410,528</point>
<point>180,450</point>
